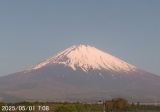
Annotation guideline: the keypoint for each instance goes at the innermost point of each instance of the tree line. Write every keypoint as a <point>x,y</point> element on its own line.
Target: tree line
<point>114,105</point>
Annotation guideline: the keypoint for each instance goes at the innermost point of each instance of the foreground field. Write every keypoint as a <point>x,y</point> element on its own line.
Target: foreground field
<point>114,105</point>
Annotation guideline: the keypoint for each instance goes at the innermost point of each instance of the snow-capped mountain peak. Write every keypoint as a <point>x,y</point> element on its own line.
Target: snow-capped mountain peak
<point>86,57</point>
<point>83,73</point>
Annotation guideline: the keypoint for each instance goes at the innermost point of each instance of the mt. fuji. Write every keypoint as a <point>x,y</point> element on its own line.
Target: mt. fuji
<point>80,73</point>
<point>86,57</point>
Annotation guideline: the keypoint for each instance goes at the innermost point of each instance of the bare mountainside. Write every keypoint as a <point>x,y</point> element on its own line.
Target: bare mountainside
<point>80,73</point>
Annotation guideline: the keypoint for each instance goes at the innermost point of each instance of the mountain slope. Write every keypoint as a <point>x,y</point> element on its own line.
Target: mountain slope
<point>81,73</point>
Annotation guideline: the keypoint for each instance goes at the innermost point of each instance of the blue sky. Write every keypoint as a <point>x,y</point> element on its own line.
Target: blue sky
<point>32,31</point>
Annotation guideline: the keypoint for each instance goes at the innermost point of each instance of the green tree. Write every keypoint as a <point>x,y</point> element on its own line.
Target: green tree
<point>66,108</point>
<point>109,105</point>
<point>80,107</point>
<point>121,104</point>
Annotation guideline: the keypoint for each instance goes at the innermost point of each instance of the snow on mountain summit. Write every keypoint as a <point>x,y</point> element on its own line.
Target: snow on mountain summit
<point>85,57</point>
<point>80,73</point>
